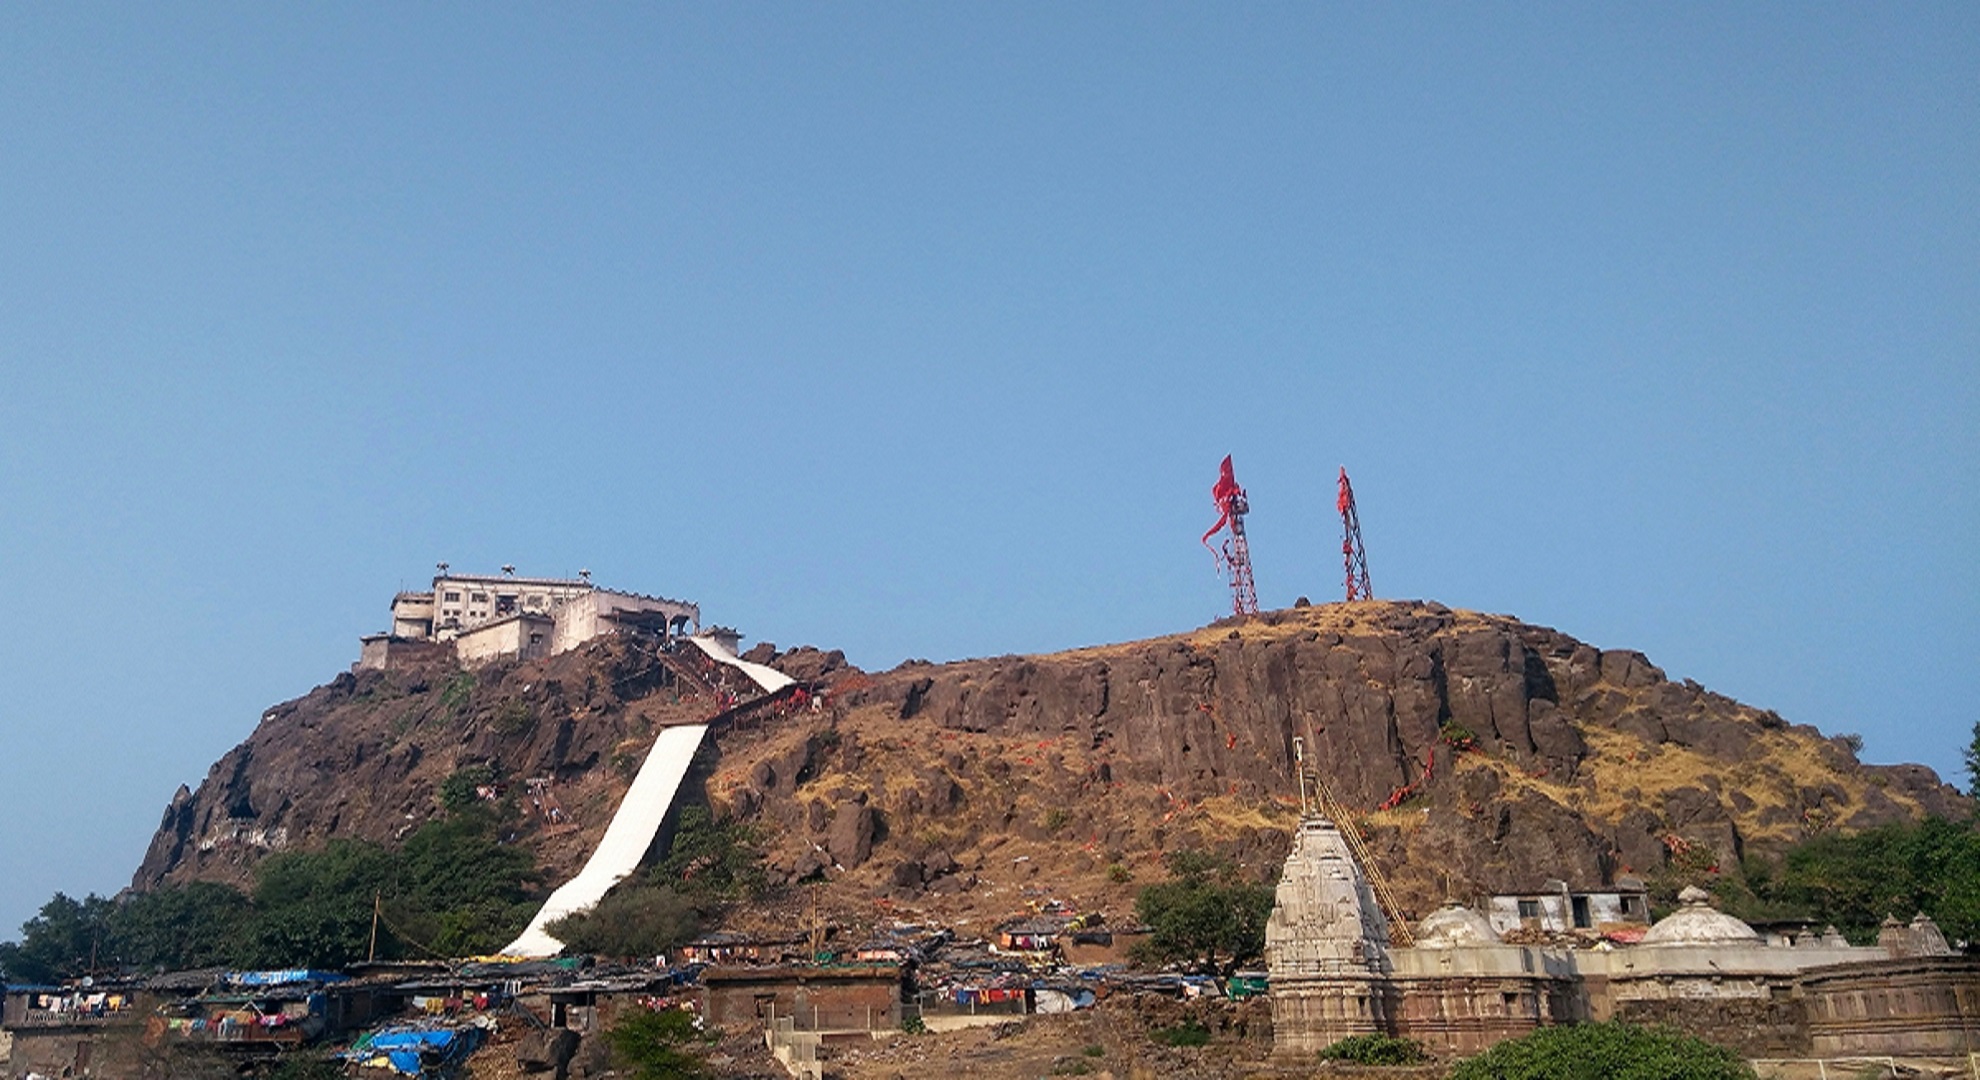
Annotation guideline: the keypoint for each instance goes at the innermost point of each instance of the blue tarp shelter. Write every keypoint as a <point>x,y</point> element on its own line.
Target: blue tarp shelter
<point>421,1052</point>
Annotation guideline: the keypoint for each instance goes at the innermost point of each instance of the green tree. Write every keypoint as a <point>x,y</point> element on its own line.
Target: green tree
<point>67,939</point>
<point>458,791</point>
<point>634,919</point>
<point>709,865</point>
<point>1604,1052</point>
<point>176,926</point>
<point>714,861</point>
<point>1973,763</point>
<point>459,891</point>
<point>313,908</point>
<point>451,889</point>
<point>1204,913</point>
<point>654,1045</point>
<point>1190,1032</point>
<point>1376,1050</point>
<point>1855,881</point>
<point>173,927</point>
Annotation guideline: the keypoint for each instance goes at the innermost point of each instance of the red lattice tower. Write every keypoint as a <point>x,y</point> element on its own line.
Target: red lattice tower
<point>1352,553</point>
<point>1234,554</point>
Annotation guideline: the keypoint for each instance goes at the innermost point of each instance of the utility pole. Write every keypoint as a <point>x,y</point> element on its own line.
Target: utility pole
<point>371,954</point>
<point>817,935</point>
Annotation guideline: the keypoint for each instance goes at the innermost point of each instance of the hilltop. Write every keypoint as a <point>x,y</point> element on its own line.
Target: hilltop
<point>1480,753</point>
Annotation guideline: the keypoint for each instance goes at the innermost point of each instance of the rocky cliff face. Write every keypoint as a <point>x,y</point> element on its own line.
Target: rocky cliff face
<point>365,756</point>
<point>1480,754</point>
<point>1506,754</point>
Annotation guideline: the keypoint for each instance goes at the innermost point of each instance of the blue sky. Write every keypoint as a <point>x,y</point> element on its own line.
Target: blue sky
<point>919,330</point>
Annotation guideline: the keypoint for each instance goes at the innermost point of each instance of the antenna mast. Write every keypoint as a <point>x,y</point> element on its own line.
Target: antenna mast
<point>1352,553</point>
<point>1234,554</point>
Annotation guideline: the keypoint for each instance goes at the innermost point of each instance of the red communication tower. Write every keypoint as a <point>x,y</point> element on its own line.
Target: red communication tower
<point>1235,553</point>
<point>1352,552</point>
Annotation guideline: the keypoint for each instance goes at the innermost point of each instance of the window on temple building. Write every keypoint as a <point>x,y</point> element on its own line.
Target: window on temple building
<point>1529,909</point>
<point>453,598</point>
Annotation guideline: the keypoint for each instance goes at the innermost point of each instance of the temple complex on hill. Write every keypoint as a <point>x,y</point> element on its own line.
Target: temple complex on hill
<point>1460,986</point>
<point>484,617</point>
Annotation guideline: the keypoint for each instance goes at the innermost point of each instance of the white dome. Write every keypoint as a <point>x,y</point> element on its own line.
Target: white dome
<point>1697,922</point>
<point>1454,926</point>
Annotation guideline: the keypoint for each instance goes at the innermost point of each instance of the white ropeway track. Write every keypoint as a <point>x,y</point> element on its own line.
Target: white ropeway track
<point>769,678</point>
<point>639,816</point>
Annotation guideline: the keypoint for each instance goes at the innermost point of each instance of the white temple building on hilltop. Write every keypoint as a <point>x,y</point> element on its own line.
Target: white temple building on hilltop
<point>485,617</point>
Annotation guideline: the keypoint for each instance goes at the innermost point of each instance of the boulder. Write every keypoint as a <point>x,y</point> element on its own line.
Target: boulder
<point>852,833</point>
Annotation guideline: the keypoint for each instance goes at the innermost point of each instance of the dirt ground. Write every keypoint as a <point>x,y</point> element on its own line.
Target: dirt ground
<point>1114,1042</point>
<point>1038,1046</point>
<point>740,1056</point>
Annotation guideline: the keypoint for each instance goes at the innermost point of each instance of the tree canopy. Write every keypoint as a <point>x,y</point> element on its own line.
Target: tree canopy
<point>451,889</point>
<point>657,1045</point>
<point>1973,763</point>
<point>713,860</point>
<point>1604,1052</point>
<point>709,865</point>
<point>1855,881</point>
<point>1206,913</point>
<point>62,941</point>
<point>636,919</point>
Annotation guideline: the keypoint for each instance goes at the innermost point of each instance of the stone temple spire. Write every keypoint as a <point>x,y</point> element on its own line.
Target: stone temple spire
<point>1326,945</point>
<point>1325,920</point>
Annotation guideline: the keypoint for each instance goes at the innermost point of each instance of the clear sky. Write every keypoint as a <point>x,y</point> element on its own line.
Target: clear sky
<point>919,330</point>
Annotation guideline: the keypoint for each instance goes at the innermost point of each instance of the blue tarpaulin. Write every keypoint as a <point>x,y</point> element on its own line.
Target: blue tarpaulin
<point>414,1040</point>
<point>283,978</point>
<point>422,1052</point>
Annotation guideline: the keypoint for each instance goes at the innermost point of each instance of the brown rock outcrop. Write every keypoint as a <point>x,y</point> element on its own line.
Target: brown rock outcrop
<point>365,755</point>
<point>1518,754</point>
<point>1505,754</point>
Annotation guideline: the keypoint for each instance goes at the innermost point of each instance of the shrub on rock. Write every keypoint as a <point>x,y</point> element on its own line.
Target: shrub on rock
<point>1604,1052</point>
<point>1376,1050</point>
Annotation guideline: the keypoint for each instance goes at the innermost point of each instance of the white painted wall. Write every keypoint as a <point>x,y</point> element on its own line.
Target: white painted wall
<point>1557,911</point>
<point>524,636</point>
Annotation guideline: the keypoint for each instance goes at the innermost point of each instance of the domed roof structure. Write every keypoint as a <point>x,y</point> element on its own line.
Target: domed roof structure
<point>1697,922</point>
<point>1454,926</point>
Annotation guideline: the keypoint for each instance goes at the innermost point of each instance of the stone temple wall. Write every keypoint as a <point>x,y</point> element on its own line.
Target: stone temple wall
<point>1751,1027</point>
<point>1326,947</point>
<point>1909,1005</point>
<point>1461,989</point>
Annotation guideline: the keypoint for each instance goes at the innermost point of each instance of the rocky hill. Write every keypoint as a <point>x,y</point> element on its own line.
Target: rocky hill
<point>1480,753</point>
